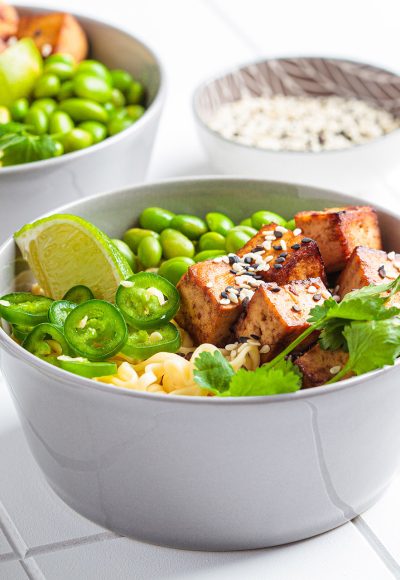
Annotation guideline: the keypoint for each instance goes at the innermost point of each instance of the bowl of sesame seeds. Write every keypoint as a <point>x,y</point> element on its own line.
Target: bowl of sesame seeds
<point>316,120</point>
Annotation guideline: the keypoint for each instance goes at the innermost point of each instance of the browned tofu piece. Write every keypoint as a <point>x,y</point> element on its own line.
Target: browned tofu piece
<point>278,314</point>
<point>367,266</point>
<point>8,21</point>
<point>338,230</point>
<point>55,32</point>
<point>302,257</point>
<point>316,365</point>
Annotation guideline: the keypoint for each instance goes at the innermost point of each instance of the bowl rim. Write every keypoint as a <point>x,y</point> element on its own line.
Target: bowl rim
<point>76,381</point>
<point>228,71</point>
<point>151,112</point>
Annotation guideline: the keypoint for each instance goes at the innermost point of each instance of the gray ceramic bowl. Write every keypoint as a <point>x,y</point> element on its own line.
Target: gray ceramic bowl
<point>119,161</point>
<point>213,474</point>
<point>354,168</point>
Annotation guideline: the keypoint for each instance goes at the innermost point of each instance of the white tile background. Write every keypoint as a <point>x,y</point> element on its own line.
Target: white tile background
<point>41,538</point>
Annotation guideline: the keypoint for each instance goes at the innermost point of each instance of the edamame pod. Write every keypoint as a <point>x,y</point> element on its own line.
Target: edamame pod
<point>134,236</point>
<point>218,222</point>
<point>212,241</point>
<point>264,217</point>
<point>84,110</point>
<point>150,252</point>
<point>189,225</point>
<point>175,244</point>
<point>175,268</point>
<point>156,218</point>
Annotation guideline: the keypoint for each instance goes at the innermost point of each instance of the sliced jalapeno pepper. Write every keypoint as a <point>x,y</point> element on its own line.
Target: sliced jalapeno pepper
<point>21,332</point>
<point>24,308</point>
<point>59,311</point>
<point>147,300</point>
<point>142,344</point>
<point>95,329</point>
<point>85,368</point>
<point>79,294</point>
<point>47,342</point>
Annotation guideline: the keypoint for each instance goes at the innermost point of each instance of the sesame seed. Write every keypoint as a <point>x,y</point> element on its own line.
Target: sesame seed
<point>311,289</point>
<point>391,256</point>
<point>306,240</point>
<point>275,289</point>
<point>297,232</point>
<point>233,298</point>
<point>317,297</point>
<point>255,336</point>
<point>382,272</point>
<point>248,260</point>
<point>258,249</point>
<point>277,247</point>
<point>225,301</point>
<point>243,339</point>
<point>225,259</point>
<point>278,234</point>
<point>209,284</point>
<point>236,267</point>
<point>334,370</point>
<point>296,308</point>
<point>278,266</point>
<point>337,288</point>
<point>296,247</point>
<point>266,245</point>
<point>268,259</point>
<point>233,258</point>
<point>224,295</point>
<point>336,297</point>
<point>283,245</point>
<point>281,229</point>
<point>217,260</point>
<point>280,260</point>
<point>283,255</point>
<point>265,349</point>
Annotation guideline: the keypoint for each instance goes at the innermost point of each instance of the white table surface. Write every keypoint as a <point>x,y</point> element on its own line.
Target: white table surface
<point>40,537</point>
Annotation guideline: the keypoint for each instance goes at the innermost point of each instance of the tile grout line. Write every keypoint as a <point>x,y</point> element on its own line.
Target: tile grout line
<point>32,569</point>
<point>12,534</point>
<point>375,543</point>
<point>230,23</point>
<point>74,542</point>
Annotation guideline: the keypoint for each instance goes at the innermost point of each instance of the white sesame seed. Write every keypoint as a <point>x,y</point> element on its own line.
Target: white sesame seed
<point>82,323</point>
<point>269,259</point>
<point>297,232</point>
<point>210,284</point>
<point>334,370</point>
<point>225,259</point>
<point>237,266</point>
<point>225,301</point>
<point>217,260</point>
<point>283,245</point>
<point>281,229</point>
<point>267,245</point>
<point>126,284</point>
<point>5,303</point>
<point>231,346</point>
<point>233,298</point>
<point>336,297</point>
<point>391,256</point>
<point>311,289</point>
<point>265,349</point>
<point>337,288</point>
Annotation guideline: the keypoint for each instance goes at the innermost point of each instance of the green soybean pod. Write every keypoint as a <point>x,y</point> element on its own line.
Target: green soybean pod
<point>59,149</point>
<point>121,79</point>
<point>76,139</point>
<point>60,57</point>
<point>189,225</point>
<point>246,229</point>
<point>291,224</point>
<point>150,252</point>
<point>175,268</point>
<point>117,98</point>
<point>208,255</point>
<point>134,112</point>
<point>235,240</point>
<point>47,104</point>
<point>97,130</point>
<point>135,93</point>
<point>156,218</point>
<point>111,110</point>
<point>48,85</point>
<point>96,68</point>
<point>212,241</point>
<point>62,70</point>
<point>127,253</point>
<point>38,121</point>
<point>174,244</point>
<point>19,109</point>
<point>84,110</point>
<point>218,222</point>
<point>264,217</point>
<point>117,125</point>
<point>66,91</point>
<point>60,122</point>
<point>246,222</point>
<point>89,86</point>
<point>134,236</point>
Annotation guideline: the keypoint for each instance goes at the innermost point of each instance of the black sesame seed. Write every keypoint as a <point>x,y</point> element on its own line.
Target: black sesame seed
<point>255,336</point>
<point>258,249</point>
<point>243,339</point>
<point>278,234</point>
<point>296,247</point>
<point>277,247</point>
<point>280,260</point>
<point>306,240</point>
<point>248,260</point>
<point>317,297</point>
<point>229,288</point>
<point>296,308</point>
<point>283,255</point>
<point>382,271</point>
<point>278,266</point>
<point>275,289</point>
<point>233,259</point>
<point>224,295</point>
<point>233,272</point>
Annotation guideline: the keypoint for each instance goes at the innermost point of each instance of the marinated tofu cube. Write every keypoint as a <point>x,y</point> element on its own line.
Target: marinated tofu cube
<point>339,230</point>
<point>278,314</point>
<point>318,366</point>
<point>367,266</point>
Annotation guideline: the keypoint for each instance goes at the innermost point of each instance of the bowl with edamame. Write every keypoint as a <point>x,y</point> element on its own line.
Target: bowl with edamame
<point>92,124</point>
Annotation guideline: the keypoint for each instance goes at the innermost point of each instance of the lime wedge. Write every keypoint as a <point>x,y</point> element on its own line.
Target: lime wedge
<point>65,250</point>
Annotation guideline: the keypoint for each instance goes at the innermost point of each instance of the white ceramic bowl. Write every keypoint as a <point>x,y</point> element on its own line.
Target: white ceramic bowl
<point>198,473</point>
<point>353,169</point>
<point>119,161</point>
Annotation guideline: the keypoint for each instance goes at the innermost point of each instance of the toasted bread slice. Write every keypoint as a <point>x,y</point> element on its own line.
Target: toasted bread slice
<point>208,319</point>
<point>8,21</point>
<point>318,365</point>
<point>278,314</point>
<point>338,230</point>
<point>367,266</point>
<point>55,32</point>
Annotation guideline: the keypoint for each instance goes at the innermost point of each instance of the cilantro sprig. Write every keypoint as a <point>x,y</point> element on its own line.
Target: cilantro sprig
<point>18,145</point>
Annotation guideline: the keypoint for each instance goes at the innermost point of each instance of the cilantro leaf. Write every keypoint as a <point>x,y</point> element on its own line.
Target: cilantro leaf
<point>213,372</point>
<point>18,146</point>
<point>284,378</point>
<point>331,337</point>
<point>372,344</point>
<point>320,312</point>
